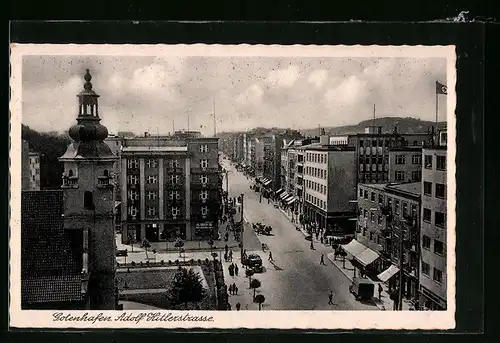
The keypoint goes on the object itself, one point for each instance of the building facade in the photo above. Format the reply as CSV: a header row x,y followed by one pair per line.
x,y
25,166
330,186
405,164
170,188
434,225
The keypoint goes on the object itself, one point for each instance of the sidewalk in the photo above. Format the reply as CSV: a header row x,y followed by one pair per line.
x,y
385,303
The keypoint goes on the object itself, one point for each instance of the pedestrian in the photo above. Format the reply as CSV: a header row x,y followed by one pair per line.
x,y
236,269
231,257
236,290
321,239
225,257
238,306
231,290
379,292
322,260
270,256
226,248
330,298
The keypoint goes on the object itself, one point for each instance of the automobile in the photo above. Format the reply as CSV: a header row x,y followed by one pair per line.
x,y
123,252
254,261
343,239
362,288
309,238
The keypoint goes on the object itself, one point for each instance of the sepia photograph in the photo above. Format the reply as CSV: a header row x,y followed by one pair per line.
x,y
166,180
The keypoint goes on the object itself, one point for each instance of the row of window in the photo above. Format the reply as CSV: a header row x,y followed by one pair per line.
x,y
317,202
374,160
316,157
152,195
415,175
364,213
372,196
439,190
439,217
389,142
316,172
316,186
152,211
440,162
437,274
415,159
134,164
438,245
373,177
153,179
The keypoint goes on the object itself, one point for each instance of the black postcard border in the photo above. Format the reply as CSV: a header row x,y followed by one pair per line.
x,y
469,39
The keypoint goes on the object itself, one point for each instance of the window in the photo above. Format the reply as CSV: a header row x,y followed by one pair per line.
x,y
373,196
389,202
152,179
396,207
132,210
413,211
372,217
174,164
132,164
440,191
204,163
441,162
204,210
400,159
427,215
152,163
152,195
428,161
438,275
366,213
371,236
399,175
426,242
174,195
416,159
151,211
438,247
416,175
366,195
174,179
175,211
133,179
405,208
439,219
133,195
428,188
204,195
380,199
425,268
379,220
361,143
204,179
204,148
70,173
88,200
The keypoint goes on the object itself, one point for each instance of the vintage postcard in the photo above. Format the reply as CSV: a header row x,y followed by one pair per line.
x,y
232,186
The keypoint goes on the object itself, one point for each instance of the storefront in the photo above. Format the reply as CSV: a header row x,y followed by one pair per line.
x,y
203,230
429,301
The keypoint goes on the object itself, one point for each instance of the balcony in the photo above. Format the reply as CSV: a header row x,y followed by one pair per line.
x,y
104,182
70,182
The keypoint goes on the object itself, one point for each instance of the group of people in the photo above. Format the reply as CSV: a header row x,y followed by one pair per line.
x,y
233,269
228,256
233,289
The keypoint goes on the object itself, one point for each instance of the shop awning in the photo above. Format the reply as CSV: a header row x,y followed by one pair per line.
x,y
291,201
267,182
279,191
388,273
287,198
284,195
366,257
354,248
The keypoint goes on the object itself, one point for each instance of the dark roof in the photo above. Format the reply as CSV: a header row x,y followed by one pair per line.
x,y
49,253
411,188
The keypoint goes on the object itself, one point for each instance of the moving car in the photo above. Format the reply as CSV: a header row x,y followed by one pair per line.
x,y
254,262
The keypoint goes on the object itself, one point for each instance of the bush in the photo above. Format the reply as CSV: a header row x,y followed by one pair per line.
x,y
177,262
132,263
169,262
162,262
199,261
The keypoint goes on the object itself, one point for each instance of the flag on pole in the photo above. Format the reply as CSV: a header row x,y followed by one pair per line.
x,y
441,89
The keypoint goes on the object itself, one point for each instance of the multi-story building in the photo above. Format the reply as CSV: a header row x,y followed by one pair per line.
x,y
25,166
405,164
171,188
372,151
34,171
434,225
330,185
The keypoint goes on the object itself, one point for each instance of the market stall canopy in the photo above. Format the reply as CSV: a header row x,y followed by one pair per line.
x,y
291,201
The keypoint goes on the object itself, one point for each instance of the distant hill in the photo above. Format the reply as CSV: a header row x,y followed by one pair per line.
x,y
404,125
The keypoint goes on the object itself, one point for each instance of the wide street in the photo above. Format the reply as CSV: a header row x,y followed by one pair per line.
x,y
296,280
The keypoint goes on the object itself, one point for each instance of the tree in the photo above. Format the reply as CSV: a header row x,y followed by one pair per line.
x,y
255,283
249,274
186,287
259,299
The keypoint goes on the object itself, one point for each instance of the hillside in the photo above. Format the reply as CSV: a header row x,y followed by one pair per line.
x,y
404,125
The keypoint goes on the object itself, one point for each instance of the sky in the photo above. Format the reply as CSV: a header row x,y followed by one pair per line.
x,y
141,93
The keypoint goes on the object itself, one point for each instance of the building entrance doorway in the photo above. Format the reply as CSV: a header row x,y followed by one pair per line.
x,y
152,232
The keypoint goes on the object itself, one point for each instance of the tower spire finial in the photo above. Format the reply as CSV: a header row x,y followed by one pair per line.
x,y
87,78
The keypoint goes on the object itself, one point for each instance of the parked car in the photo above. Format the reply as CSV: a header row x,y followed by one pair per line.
x,y
123,252
309,238
254,260
362,288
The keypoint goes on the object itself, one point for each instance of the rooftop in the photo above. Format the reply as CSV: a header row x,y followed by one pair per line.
x,y
51,257
154,149
408,187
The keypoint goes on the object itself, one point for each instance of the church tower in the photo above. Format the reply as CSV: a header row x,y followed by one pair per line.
x,y
89,199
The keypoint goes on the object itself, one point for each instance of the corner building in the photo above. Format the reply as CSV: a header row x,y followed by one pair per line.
x,y
170,188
